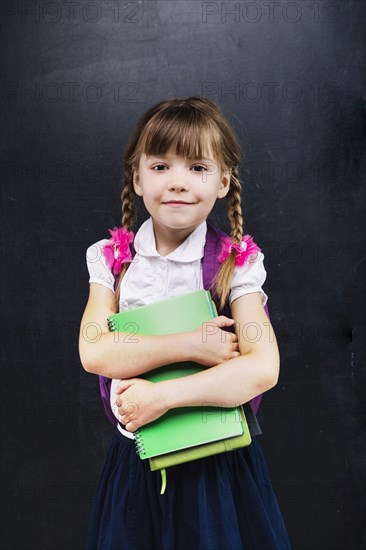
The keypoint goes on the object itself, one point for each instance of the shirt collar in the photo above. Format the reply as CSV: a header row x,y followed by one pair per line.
x,y
191,249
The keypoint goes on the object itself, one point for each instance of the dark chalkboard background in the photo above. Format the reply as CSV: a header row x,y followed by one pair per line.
x,y
290,76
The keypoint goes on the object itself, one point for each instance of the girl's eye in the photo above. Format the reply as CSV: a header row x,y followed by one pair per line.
x,y
195,166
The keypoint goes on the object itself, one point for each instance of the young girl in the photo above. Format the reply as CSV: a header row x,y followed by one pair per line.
x,y
181,150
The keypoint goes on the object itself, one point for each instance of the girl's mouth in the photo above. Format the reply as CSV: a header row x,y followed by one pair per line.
x,y
177,204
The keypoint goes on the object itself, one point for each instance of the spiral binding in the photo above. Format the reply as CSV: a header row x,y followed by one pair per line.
x,y
111,324
139,444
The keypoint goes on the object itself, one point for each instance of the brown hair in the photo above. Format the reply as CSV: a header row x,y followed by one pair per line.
x,y
185,127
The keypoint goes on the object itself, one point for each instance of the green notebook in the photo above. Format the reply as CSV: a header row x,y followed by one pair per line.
x,y
182,433
201,451
184,427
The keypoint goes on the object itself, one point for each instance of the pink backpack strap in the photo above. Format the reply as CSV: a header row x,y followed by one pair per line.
x,y
211,264
105,392
106,383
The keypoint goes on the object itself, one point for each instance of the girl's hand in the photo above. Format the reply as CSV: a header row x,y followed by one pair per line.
x,y
210,345
139,401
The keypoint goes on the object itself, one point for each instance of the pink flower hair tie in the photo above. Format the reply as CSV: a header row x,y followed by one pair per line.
x,y
117,250
243,249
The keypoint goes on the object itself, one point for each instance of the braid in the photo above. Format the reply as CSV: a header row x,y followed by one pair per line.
x,y
128,220
234,207
128,202
222,280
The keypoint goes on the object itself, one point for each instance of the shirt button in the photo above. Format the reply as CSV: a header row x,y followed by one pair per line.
x,y
162,264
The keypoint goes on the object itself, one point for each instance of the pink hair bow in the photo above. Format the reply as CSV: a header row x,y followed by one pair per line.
x,y
243,249
117,250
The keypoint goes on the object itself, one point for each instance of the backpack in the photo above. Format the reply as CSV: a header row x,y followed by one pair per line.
x,y
210,264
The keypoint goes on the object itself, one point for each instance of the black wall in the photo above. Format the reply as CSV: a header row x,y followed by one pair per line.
x,y
75,79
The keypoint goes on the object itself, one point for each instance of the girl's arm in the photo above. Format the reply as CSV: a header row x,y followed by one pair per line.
x,y
122,354
237,380
126,355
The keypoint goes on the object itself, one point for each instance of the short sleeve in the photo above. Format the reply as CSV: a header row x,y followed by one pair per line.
x,y
249,278
99,272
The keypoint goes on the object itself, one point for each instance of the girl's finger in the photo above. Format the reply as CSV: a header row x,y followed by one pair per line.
x,y
123,385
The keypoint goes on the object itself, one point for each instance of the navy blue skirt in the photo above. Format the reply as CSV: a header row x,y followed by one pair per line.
x,y
213,503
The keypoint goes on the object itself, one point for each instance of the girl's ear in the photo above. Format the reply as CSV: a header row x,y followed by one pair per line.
x,y
136,185
225,185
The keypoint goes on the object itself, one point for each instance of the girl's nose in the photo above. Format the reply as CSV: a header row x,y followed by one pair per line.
x,y
178,183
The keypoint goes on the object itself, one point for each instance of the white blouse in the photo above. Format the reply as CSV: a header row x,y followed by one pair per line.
x,y
152,277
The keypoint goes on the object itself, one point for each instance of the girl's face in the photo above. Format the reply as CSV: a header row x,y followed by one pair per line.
x,y
166,178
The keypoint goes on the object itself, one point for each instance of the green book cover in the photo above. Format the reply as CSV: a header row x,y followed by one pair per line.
x,y
181,427
204,450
